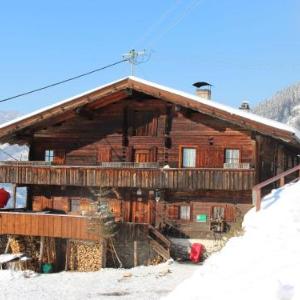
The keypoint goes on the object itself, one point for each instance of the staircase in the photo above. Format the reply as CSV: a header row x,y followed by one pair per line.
x,y
291,175
159,243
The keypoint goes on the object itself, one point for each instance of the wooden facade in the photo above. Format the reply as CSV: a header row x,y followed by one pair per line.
x,y
171,161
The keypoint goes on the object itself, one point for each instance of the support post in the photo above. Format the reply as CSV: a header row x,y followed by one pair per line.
x,y
14,195
41,252
135,254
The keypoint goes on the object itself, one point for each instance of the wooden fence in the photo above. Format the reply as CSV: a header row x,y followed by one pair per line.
x,y
151,178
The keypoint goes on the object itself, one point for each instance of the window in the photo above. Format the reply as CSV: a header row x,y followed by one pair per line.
x,y
218,213
75,205
188,157
49,155
185,212
232,156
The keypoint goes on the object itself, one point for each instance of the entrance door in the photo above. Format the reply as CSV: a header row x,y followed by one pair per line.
x,y
140,211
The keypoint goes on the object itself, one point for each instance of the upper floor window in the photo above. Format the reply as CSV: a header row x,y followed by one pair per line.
x,y
232,156
49,155
188,157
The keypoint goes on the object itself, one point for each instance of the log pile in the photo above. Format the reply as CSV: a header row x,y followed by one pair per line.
x,y
27,245
85,256
3,242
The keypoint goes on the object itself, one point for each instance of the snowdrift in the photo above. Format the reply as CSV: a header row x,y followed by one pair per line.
x,y
264,263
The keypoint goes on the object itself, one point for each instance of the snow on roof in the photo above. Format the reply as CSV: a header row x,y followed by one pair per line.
x,y
211,103
231,110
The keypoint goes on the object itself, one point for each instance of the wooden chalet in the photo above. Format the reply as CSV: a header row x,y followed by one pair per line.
x,y
174,162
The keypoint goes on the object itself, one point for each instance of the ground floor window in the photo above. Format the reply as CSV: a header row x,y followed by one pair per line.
x,y
185,212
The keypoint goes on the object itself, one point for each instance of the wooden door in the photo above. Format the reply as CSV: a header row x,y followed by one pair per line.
x,y
142,155
140,212
210,157
104,155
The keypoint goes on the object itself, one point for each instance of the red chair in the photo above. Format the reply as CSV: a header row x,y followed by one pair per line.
x,y
196,252
4,197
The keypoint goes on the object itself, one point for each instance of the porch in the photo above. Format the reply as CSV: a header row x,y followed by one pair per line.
x,y
127,175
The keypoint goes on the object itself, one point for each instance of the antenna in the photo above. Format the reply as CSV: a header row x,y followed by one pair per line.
x,y
132,58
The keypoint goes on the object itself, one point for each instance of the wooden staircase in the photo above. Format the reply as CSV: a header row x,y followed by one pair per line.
x,y
282,178
159,243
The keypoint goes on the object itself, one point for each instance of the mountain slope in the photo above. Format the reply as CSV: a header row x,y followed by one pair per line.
x,y
284,106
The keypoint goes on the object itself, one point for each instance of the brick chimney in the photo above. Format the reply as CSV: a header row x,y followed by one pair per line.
x,y
203,89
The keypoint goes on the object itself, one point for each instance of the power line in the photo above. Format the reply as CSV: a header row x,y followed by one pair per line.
x,y
63,81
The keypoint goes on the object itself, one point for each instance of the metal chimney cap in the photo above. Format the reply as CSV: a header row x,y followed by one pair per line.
x,y
200,84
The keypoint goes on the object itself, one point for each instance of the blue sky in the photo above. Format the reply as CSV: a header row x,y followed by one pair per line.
x,y
246,49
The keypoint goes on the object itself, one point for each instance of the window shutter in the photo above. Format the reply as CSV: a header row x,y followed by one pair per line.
x,y
59,157
210,157
173,212
229,213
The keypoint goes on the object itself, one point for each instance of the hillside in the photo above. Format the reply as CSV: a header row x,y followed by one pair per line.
x,y
264,263
284,106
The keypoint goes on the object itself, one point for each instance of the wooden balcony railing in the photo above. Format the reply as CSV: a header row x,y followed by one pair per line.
x,y
150,178
64,226
50,225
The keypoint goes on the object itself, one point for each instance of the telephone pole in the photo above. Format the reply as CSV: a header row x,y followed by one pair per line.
x,y
132,57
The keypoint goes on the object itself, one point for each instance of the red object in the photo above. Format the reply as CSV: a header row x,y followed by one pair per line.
x,y
196,252
4,197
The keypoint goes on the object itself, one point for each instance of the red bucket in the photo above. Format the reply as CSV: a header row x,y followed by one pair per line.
x,y
196,252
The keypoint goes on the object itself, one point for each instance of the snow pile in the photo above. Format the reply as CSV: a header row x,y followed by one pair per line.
x,y
264,263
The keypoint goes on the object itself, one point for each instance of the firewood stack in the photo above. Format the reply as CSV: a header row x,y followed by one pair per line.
x,y
27,245
86,256
3,242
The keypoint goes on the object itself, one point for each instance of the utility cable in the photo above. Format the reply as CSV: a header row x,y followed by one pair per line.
x,y
63,81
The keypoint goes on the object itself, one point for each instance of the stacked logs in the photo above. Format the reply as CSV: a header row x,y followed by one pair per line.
x,y
27,245
3,243
85,256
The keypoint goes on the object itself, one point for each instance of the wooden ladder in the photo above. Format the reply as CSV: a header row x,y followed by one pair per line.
x,y
159,243
281,178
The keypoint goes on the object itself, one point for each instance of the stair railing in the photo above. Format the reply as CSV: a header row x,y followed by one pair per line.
x,y
281,178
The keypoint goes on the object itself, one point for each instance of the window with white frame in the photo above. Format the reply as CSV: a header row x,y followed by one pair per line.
x,y
189,157
185,212
49,155
232,156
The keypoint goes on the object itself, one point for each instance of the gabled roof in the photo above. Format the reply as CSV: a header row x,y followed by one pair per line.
x,y
118,90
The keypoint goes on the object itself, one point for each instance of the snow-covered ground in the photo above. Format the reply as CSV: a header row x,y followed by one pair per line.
x,y
138,283
264,263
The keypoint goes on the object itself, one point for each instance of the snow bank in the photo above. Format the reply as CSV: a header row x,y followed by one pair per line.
x,y
264,263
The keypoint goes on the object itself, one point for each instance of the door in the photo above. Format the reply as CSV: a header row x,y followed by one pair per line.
x,y
142,155
104,155
140,212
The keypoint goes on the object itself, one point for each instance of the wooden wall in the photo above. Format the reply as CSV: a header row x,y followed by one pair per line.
x,y
110,136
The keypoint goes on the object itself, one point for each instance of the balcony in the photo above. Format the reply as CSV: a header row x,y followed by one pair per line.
x,y
127,175
41,224
63,226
